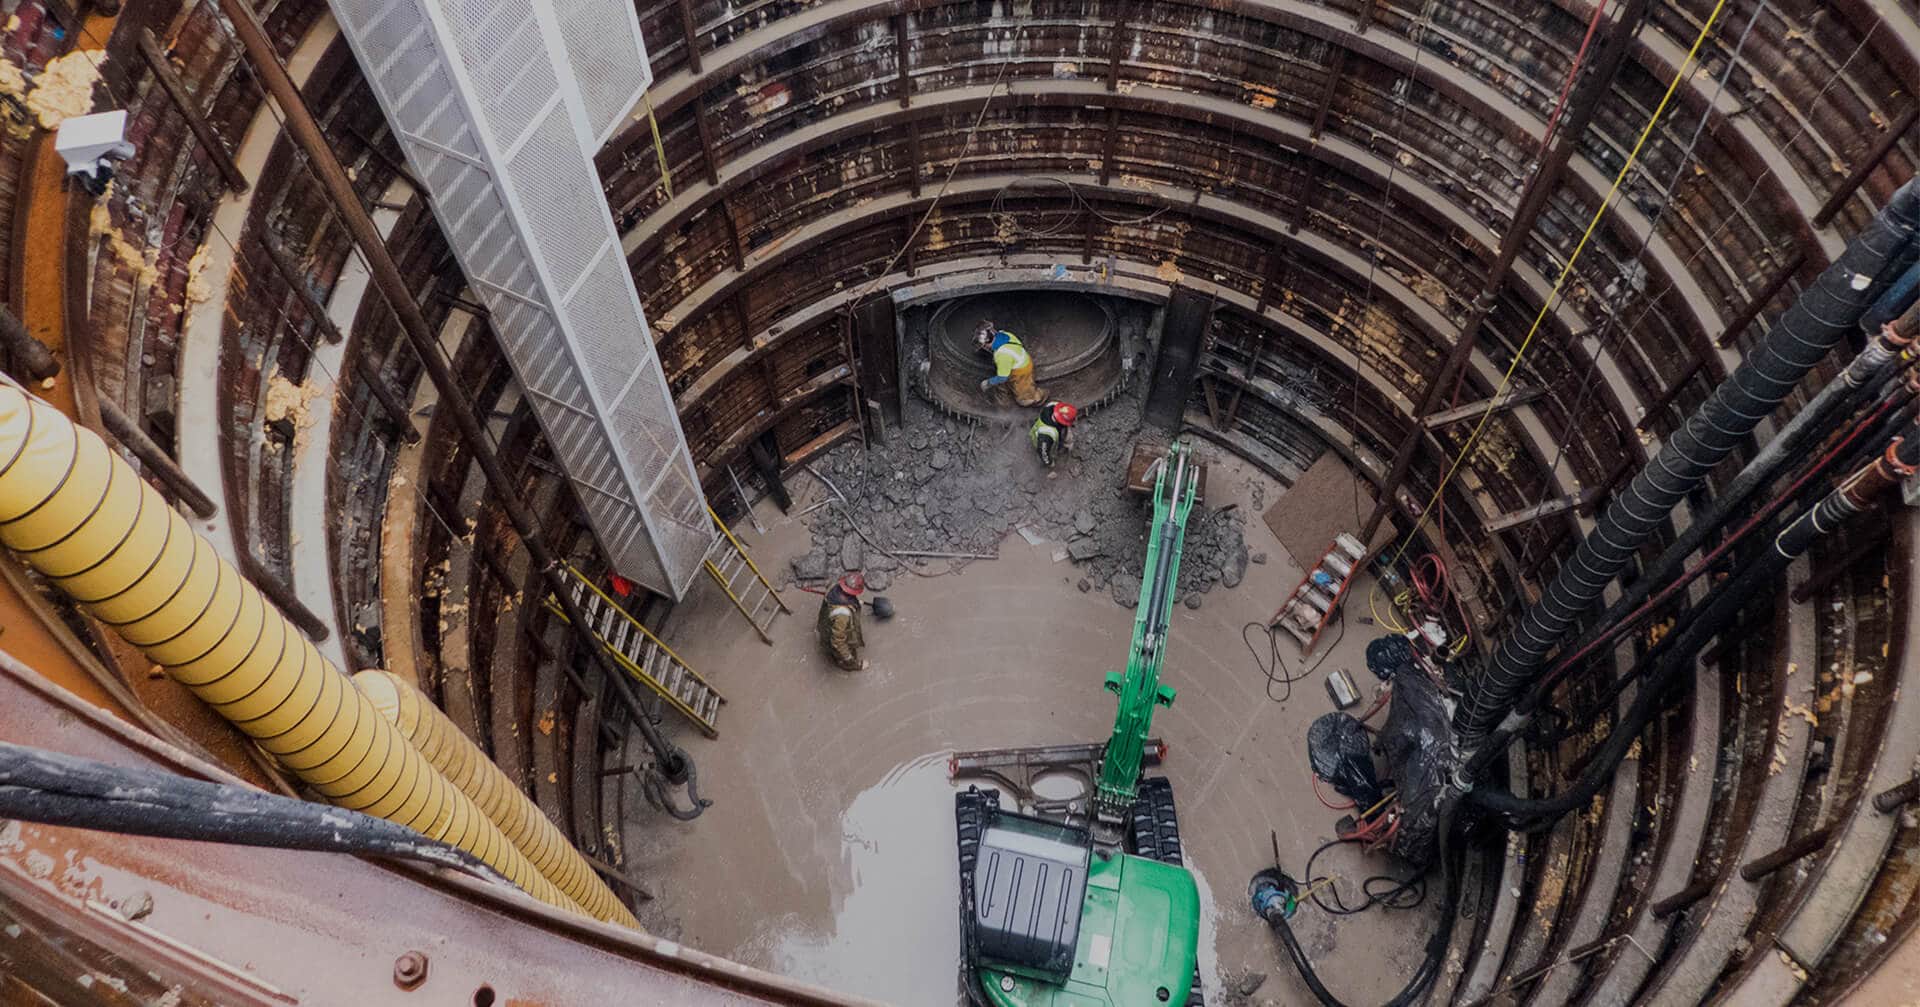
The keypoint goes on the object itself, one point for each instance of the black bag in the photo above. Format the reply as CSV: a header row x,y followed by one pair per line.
x,y
1341,754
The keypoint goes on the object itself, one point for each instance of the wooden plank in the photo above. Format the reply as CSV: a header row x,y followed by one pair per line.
x,y
1548,508
1472,410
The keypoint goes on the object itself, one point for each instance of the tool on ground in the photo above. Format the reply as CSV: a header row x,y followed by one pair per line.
x,y
1314,602
1341,689
1087,902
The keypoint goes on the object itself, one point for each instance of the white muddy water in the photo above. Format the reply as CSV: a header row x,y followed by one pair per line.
x,y
895,928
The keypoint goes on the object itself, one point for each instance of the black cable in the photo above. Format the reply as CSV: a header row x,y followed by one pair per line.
x,y
52,788
1404,893
1430,962
1274,665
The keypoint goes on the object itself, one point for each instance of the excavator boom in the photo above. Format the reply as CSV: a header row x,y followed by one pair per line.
x,y
1139,689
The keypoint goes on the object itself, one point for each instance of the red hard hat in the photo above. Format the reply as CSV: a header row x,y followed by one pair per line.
x,y
1065,414
853,583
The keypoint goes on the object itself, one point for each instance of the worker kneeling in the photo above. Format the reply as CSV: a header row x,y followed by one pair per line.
x,y
1012,364
1052,433
840,623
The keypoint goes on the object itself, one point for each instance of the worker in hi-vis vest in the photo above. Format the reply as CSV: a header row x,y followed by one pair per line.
x,y
1012,364
1052,432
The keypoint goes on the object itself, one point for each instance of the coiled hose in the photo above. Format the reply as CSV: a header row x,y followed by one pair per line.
x,y
77,513
468,769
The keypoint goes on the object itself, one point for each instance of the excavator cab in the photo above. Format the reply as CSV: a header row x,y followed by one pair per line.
x,y
1054,920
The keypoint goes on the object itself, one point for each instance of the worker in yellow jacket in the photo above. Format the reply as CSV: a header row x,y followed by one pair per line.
x,y
840,623
1012,364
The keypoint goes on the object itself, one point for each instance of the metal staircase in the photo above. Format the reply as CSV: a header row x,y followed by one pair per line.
x,y
643,656
730,567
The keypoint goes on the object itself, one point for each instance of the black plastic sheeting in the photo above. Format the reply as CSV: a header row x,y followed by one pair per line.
x,y
1388,656
1341,753
1421,753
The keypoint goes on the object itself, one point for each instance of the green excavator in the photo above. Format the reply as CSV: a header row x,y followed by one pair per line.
x,y
1086,903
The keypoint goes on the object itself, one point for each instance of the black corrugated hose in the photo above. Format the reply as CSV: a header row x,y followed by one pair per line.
x,y
1866,374
1762,573
1823,314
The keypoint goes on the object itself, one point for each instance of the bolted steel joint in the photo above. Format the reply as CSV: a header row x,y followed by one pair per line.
x,y
410,970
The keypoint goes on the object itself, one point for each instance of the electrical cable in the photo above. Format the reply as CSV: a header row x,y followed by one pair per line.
x,y
1403,893
993,91
1707,561
1329,805
54,788
1416,36
1760,573
996,209
1573,72
1431,960
1546,142
1553,295
1274,665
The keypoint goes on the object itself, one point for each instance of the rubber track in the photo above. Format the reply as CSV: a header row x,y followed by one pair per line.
x,y
1155,832
971,810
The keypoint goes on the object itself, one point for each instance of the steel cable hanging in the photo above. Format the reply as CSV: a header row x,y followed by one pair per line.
x,y
1540,153
1416,37
1587,385
1533,331
1799,340
1616,330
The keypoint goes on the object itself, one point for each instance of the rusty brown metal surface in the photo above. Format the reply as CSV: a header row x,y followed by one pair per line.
x,y
235,925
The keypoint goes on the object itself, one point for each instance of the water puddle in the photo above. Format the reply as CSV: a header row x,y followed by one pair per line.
x,y
896,923
895,930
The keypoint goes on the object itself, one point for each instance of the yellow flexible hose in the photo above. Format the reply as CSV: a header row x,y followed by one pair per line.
x,y
468,768
73,510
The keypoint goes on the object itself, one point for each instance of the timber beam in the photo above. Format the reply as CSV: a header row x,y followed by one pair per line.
x,y
1512,399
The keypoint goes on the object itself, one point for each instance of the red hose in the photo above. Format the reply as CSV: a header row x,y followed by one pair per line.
x,y
1323,801
1560,104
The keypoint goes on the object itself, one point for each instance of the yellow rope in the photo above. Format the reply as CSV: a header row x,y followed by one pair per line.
x,y
1554,294
659,149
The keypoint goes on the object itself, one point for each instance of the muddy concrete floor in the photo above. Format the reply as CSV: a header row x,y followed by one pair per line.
x,y
829,851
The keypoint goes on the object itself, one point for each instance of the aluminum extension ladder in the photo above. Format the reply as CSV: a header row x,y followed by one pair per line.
x,y
730,567
1314,602
642,655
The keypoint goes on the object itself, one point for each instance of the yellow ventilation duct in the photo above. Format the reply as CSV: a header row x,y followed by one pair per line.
x,y
468,768
80,515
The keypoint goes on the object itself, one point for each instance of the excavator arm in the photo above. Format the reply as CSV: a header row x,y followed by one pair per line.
x,y
1139,689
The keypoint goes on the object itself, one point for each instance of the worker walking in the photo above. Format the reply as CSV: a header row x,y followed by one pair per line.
x,y
1052,433
1012,364
840,623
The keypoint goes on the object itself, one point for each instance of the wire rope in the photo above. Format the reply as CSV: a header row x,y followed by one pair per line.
x,y
1533,331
